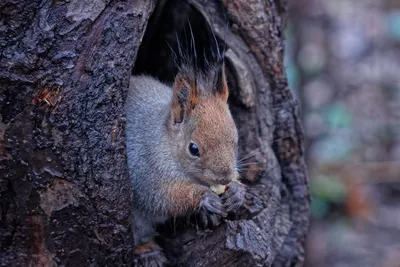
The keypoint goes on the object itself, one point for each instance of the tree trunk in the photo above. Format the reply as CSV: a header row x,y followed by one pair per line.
x,y
64,187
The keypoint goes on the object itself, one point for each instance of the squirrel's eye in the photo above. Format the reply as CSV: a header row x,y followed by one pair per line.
x,y
194,150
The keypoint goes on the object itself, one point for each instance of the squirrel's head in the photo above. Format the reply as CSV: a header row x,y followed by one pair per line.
x,y
201,126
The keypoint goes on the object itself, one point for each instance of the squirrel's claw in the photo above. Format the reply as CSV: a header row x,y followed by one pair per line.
x,y
148,255
209,220
234,197
210,210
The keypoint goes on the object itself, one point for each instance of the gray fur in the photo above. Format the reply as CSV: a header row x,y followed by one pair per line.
x,y
149,159
158,158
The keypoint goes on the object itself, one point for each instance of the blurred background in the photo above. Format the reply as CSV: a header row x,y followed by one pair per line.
x,y
343,63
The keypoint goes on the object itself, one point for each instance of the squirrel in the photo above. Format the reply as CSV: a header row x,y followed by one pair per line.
x,y
180,140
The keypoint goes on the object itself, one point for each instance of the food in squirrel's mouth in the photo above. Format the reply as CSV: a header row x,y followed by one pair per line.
x,y
220,189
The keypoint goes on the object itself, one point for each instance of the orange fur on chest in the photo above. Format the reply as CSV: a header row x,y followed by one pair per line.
x,y
185,197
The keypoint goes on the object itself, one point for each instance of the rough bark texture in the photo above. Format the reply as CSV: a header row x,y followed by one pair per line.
x,y
65,193
65,67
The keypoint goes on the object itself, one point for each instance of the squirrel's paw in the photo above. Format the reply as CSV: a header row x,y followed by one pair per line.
x,y
148,255
210,209
234,197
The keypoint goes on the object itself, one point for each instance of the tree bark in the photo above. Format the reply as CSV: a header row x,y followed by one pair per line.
x,y
65,67
64,188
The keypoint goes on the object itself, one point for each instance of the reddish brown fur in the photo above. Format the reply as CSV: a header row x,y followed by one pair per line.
x,y
176,109
224,92
187,196
204,117
215,134
193,96
146,248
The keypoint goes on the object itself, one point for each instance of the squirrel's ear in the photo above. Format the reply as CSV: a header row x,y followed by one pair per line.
x,y
185,98
221,86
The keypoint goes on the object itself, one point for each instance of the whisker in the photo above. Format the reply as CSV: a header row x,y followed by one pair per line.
x,y
207,64
225,35
241,170
249,165
279,139
250,154
254,152
216,46
174,54
178,44
192,44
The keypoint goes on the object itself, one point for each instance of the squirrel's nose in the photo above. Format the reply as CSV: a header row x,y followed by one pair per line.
x,y
225,181
226,177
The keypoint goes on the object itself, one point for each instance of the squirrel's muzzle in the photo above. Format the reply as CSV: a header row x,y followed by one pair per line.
x,y
226,178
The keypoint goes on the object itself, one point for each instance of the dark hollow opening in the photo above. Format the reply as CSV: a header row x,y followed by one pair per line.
x,y
171,24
